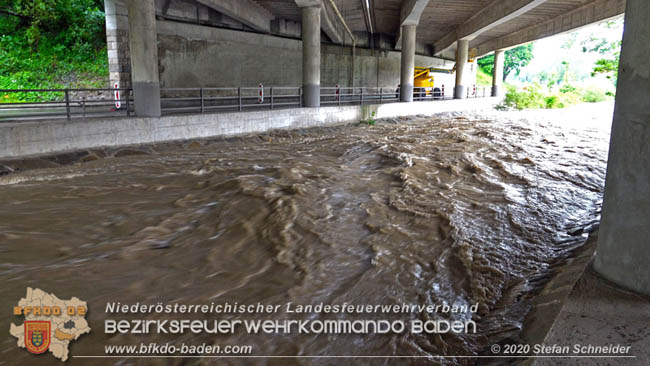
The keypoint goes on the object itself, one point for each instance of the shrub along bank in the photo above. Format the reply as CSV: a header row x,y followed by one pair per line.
x,y
535,96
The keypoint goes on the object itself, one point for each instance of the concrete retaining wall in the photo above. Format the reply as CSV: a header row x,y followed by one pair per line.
x,y
198,56
44,137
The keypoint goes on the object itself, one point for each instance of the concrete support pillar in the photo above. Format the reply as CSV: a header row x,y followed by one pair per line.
x,y
408,63
117,42
461,61
143,43
623,254
497,73
311,56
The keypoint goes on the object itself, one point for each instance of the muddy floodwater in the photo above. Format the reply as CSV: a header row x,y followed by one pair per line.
x,y
455,209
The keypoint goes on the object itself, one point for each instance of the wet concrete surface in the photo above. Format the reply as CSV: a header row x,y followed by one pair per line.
x,y
600,313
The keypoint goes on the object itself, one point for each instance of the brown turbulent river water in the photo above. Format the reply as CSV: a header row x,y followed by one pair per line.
x,y
456,209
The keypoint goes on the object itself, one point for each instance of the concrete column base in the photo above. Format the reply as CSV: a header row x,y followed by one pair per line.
x,y
460,92
311,95
497,74
406,93
146,97
623,254
407,66
311,56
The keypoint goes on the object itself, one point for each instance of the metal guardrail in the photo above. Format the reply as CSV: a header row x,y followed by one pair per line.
x,y
85,103
479,92
346,96
363,95
65,103
210,100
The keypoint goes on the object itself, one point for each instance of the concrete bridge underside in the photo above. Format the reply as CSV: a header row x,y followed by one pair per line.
x,y
362,43
378,42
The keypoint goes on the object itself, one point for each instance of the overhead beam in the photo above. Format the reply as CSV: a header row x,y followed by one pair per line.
x,y
330,24
494,14
594,12
166,6
410,14
307,3
244,11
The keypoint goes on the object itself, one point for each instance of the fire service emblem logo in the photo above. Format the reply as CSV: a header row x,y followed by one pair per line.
x,y
37,335
50,324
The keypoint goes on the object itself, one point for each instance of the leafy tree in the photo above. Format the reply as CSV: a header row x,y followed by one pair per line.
x,y
515,59
75,22
608,67
610,49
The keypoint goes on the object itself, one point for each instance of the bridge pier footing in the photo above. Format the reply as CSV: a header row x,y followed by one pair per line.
x,y
623,254
143,46
461,61
311,56
407,67
497,73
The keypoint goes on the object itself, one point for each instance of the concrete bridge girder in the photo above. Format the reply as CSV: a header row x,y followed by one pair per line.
x,y
244,11
590,13
496,13
410,14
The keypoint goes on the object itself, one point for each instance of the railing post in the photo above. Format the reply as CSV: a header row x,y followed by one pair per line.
x,y
381,95
300,96
128,104
239,96
202,101
67,103
271,97
338,94
361,96
83,107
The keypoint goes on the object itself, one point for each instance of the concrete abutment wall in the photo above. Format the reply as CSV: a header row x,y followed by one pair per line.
x,y
46,137
198,56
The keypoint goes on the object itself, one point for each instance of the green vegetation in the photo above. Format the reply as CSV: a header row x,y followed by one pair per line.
x,y
51,44
483,78
609,49
371,119
587,57
536,96
584,70
515,59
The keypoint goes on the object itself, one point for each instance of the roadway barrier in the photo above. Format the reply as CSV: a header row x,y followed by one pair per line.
x,y
53,104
